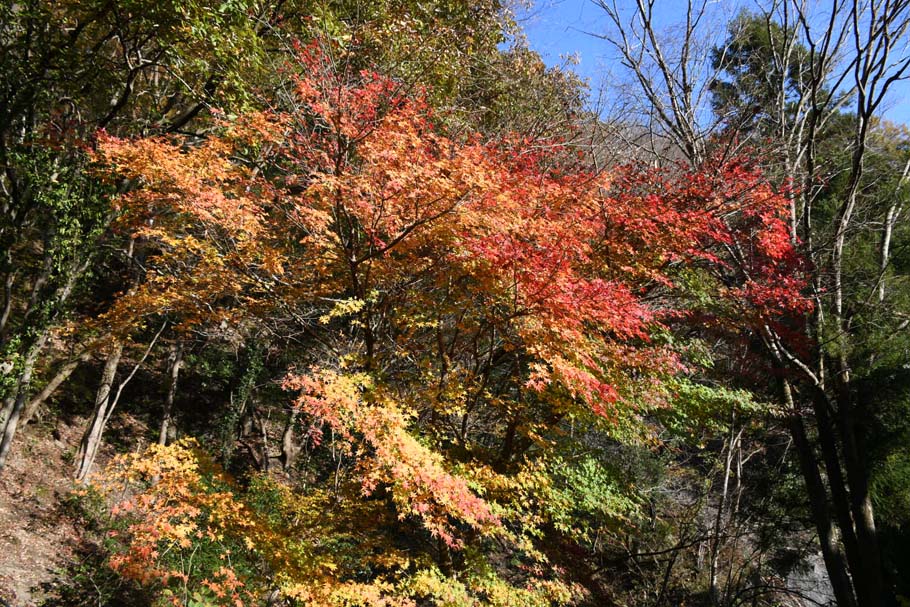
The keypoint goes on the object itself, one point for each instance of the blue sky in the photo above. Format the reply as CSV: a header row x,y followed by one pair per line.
x,y
557,28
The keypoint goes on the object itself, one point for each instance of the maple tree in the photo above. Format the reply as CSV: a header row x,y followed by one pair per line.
x,y
467,297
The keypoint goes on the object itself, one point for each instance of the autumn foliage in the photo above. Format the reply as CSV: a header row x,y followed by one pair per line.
x,y
462,297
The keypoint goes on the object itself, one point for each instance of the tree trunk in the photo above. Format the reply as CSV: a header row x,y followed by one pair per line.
x,y
176,362
835,563
62,375
263,432
838,485
445,561
289,447
91,440
13,407
868,576
894,212
7,303
716,542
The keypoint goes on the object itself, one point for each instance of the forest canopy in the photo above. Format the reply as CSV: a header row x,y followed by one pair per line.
x,y
360,303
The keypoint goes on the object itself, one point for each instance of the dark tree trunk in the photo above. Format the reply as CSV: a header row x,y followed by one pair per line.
x,y
175,360
832,552
833,555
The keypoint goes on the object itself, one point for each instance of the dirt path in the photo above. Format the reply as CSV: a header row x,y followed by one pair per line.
x,y
37,538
